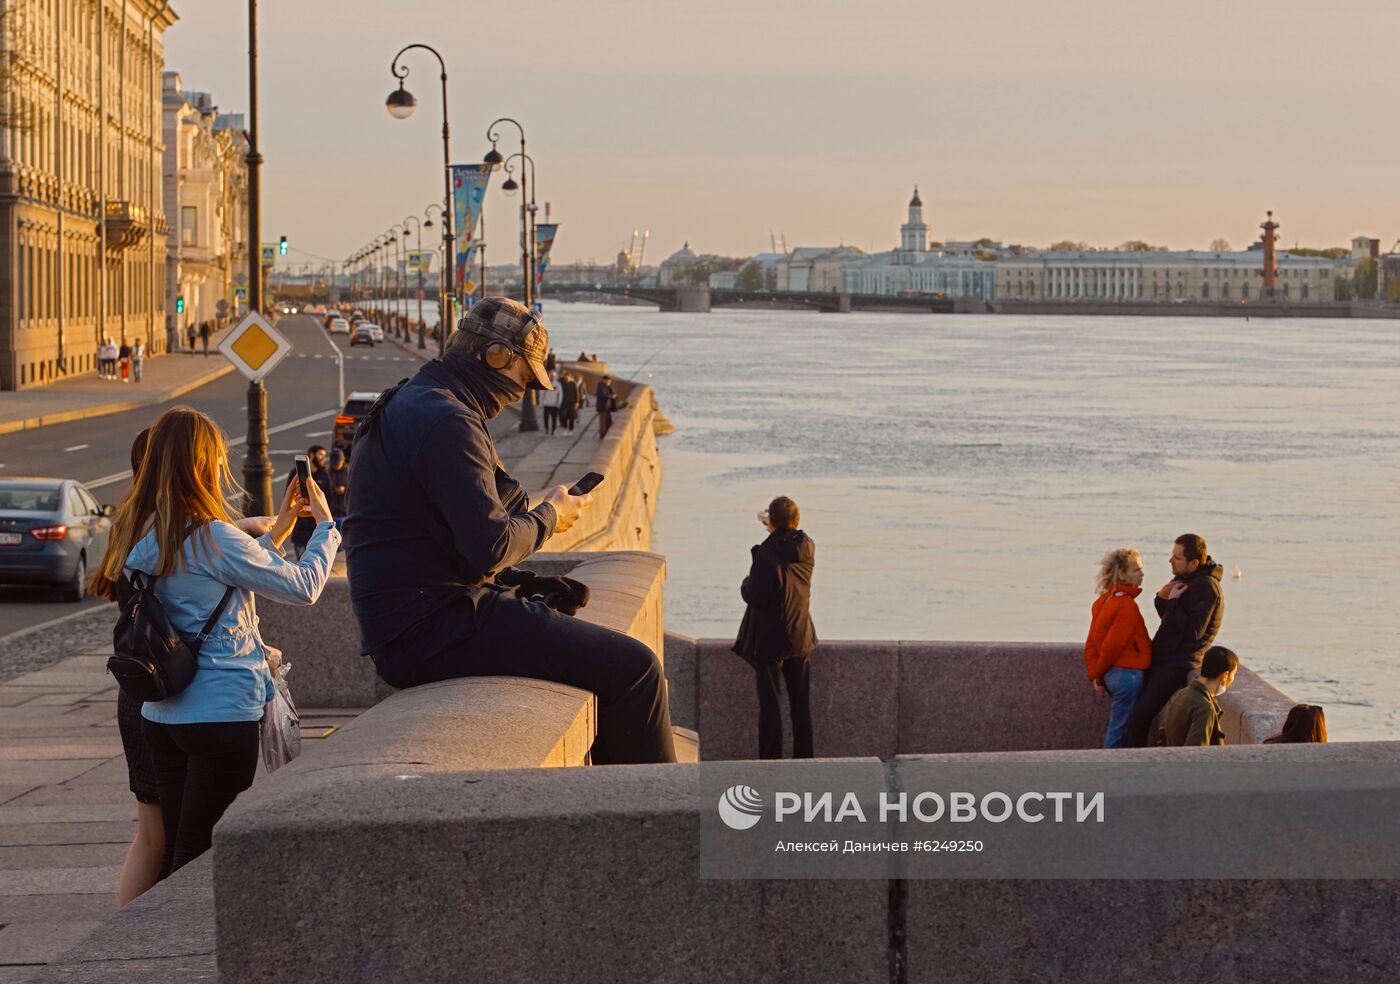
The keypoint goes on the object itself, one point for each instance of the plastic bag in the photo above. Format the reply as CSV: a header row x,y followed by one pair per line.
x,y
281,726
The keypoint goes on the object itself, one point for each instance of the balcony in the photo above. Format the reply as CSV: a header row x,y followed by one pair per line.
x,y
126,225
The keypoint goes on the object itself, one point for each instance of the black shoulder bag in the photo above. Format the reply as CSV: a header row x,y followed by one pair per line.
x,y
151,661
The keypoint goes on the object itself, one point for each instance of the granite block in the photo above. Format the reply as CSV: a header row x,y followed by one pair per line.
x,y
679,660
40,942
45,771
97,880
996,696
61,856
854,696
435,892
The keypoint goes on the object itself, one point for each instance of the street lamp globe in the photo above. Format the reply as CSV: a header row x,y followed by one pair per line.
x,y
510,187
493,158
400,103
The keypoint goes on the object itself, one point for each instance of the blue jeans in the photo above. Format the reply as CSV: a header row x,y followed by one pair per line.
x,y
1124,686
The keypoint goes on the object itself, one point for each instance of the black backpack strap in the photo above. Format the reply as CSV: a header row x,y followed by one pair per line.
x,y
213,619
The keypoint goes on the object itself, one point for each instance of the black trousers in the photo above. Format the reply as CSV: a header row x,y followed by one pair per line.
x,y
604,424
793,672
551,419
528,639
200,770
1161,682
568,417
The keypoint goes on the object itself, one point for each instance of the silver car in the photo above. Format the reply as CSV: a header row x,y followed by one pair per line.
x,y
52,532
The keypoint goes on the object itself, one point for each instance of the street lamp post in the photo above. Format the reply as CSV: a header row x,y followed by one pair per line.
x,y
443,327
401,275
418,231
400,105
527,219
529,421
257,466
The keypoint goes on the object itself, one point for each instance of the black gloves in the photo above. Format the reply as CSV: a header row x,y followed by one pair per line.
x,y
563,594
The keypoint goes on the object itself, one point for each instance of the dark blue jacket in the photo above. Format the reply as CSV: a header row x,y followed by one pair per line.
x,y
433,516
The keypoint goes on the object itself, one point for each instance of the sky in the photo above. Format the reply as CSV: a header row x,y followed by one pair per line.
x,y
723,122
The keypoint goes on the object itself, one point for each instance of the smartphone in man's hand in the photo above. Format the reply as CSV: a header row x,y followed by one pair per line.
x,y
586,484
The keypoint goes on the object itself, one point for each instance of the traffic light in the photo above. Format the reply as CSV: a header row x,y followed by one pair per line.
x,y
282,246
179,305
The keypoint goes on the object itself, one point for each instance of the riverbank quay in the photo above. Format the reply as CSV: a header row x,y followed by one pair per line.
x,y
164,377
66,814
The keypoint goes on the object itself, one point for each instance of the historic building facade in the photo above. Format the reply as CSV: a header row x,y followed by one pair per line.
x,y
922,267
206,198
1121,276
82,225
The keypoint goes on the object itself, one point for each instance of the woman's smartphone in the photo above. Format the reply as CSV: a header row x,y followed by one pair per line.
x,y
586,484
303,467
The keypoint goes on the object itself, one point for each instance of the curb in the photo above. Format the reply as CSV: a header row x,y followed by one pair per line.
x,y
101,410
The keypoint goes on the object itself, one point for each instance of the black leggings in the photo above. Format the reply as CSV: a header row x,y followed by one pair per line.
x,y
794,673
551,419
528,639
200,770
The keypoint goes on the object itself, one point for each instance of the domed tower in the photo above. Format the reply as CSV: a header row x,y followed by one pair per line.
x,y
913,235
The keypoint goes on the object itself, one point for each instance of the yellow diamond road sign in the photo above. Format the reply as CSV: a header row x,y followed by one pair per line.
x,y
255,347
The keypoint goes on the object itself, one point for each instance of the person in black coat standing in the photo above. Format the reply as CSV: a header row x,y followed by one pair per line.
x,y
777,636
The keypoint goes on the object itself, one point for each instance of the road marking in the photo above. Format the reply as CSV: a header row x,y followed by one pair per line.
x,y
123,476
318,433
50,623
78,447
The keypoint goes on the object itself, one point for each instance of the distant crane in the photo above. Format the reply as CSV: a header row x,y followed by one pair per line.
x,y
778,243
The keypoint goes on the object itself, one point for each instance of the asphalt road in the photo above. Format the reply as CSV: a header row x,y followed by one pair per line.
x,y
303,396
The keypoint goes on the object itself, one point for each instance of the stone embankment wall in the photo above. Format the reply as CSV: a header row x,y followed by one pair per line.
x,y
620,513
917,698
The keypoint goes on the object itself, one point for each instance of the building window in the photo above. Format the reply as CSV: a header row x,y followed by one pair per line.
x,y
1303,291
1205,289
189,218
1225,291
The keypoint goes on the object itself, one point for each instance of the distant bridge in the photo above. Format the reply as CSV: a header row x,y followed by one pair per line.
x,y
703,299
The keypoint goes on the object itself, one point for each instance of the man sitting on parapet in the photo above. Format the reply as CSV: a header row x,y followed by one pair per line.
x,y
1192,716
435,523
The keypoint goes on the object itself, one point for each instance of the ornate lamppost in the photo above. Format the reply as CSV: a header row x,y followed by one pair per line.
x,y
400,105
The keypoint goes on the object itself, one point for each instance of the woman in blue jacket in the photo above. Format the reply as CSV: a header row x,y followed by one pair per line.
x,y
176,523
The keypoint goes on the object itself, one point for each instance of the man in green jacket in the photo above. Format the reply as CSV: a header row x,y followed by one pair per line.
x,y
1192,716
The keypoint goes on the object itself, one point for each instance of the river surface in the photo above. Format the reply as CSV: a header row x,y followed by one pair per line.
x,y
962,475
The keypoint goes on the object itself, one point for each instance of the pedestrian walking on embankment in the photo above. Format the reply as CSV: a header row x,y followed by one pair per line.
x,y
138,359
606,401
569,396
553,400
124,360
776,635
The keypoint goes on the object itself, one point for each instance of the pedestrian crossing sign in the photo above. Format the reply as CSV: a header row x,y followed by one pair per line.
x,y
255,347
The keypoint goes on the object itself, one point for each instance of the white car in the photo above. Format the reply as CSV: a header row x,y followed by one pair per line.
x,y
339,326
375,331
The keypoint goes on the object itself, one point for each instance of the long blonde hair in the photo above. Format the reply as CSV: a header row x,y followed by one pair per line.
x,y
1115,566
183,484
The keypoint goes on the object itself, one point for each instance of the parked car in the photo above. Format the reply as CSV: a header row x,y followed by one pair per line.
x,y
52,532
339,326
356,406
362,336
374,330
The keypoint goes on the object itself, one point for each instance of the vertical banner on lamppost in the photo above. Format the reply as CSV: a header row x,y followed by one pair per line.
x,y
544,241
468,192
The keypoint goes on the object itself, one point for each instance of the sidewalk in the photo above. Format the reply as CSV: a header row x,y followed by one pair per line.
x,y
66,812
165,378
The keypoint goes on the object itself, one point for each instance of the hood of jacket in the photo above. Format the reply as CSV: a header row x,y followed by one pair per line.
x,y
791,546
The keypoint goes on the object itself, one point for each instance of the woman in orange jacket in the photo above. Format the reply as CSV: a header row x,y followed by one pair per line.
x,y
1118,651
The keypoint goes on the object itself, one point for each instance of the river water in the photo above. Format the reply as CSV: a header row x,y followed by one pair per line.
x,y
962,475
